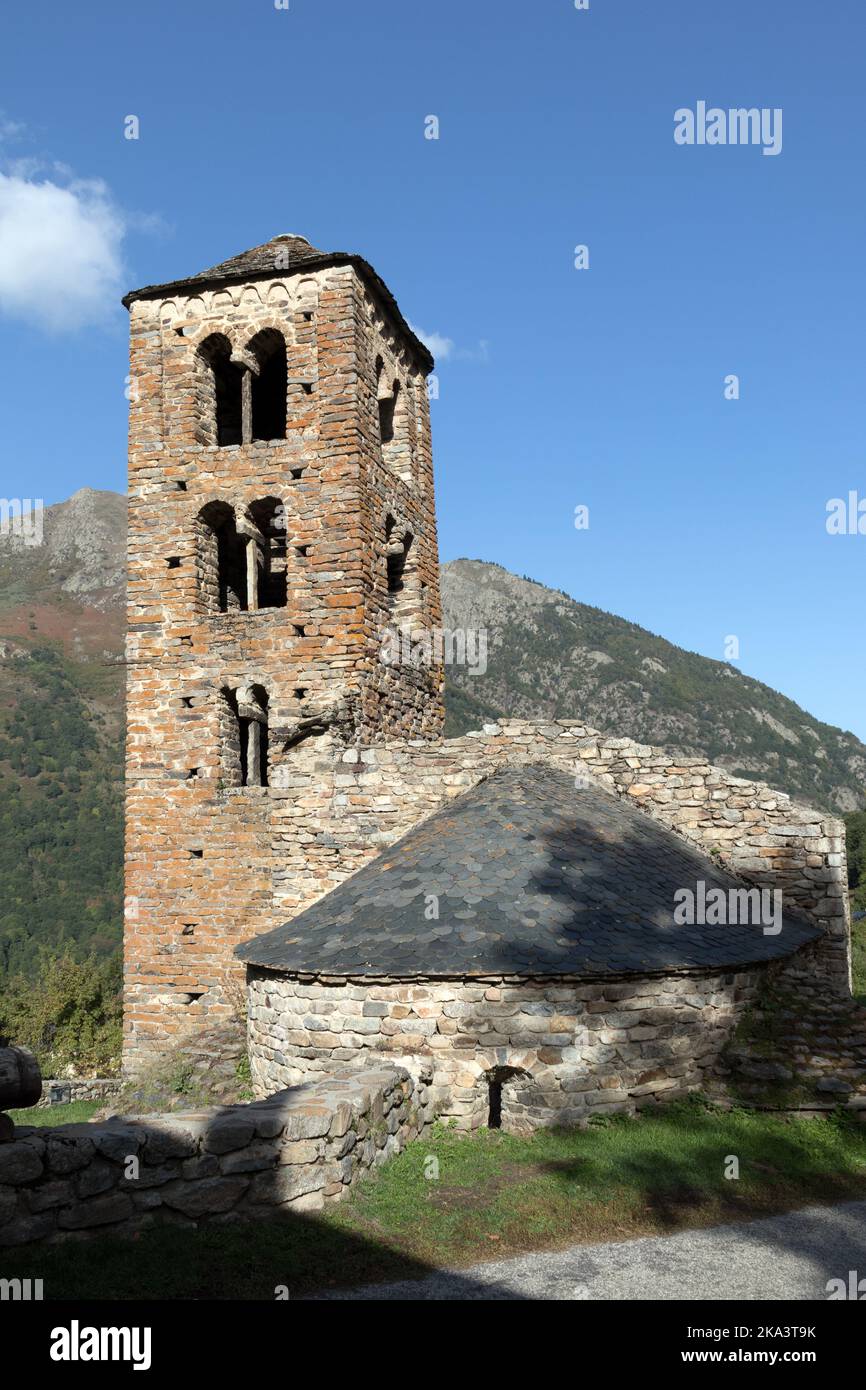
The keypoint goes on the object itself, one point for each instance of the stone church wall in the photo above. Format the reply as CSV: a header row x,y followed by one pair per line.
x,y
331,809
561,1050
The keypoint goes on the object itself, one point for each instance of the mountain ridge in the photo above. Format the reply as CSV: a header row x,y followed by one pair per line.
x,y
62,631
550,655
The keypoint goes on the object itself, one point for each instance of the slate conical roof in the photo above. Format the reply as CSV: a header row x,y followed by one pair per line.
x,y
295,254
533,876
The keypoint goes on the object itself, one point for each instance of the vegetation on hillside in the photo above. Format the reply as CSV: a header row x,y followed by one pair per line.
x,y
61,812
70,1014
855,826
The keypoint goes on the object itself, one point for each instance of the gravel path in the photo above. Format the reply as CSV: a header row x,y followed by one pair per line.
x,y
790,1256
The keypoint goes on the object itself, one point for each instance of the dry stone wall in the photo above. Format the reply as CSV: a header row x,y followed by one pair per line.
x,y
63,1090
291,1153
563,1050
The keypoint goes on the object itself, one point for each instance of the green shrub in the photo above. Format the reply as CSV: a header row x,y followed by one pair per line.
x,y
70,1016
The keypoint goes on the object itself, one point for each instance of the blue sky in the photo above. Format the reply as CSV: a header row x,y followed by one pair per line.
x,y
558,387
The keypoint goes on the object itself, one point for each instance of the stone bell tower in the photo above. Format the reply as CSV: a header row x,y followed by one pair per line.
x,y
281,522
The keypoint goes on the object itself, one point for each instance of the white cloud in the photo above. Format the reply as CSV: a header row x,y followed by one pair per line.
x,y
439,345
442,348
60,250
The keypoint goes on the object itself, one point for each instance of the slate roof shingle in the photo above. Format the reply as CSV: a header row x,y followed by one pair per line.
x,y
534,877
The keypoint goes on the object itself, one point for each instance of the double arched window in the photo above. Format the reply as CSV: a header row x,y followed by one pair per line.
x,y
242,397
242,556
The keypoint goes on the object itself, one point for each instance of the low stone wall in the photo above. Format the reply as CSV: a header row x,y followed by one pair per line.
x,y
65,1090
802,1039
563,1050
292,1152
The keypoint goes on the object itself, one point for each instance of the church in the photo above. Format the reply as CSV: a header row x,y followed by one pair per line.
x,y
494,912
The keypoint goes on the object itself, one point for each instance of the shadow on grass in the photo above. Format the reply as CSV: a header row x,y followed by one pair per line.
x,y
217,1236
699,1164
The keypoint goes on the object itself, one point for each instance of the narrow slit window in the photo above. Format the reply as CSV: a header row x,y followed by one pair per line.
x,y
246,755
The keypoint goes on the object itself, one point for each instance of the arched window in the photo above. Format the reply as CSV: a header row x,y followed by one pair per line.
x,y
387,406
222,407
497,1078
245,754
269,519
268,388
399,571
395,431
222,559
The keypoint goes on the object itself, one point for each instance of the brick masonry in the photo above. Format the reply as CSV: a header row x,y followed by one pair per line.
x,y
199,859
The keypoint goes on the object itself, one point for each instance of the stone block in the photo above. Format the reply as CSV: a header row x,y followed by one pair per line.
x,y
97,1211
204,1196
20,1162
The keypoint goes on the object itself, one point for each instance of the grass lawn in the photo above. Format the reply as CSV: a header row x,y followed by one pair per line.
x,y
495,1195
73,1113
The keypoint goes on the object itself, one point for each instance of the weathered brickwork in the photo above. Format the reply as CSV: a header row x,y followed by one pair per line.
x,y
561,1050
291,1153
203,659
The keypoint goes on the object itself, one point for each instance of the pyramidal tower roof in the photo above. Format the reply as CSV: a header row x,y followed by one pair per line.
x,y
283,254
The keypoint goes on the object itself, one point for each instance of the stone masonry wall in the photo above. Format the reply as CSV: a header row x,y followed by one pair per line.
x,y
565,1049
331,809
290,1153
63,1090
199,869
